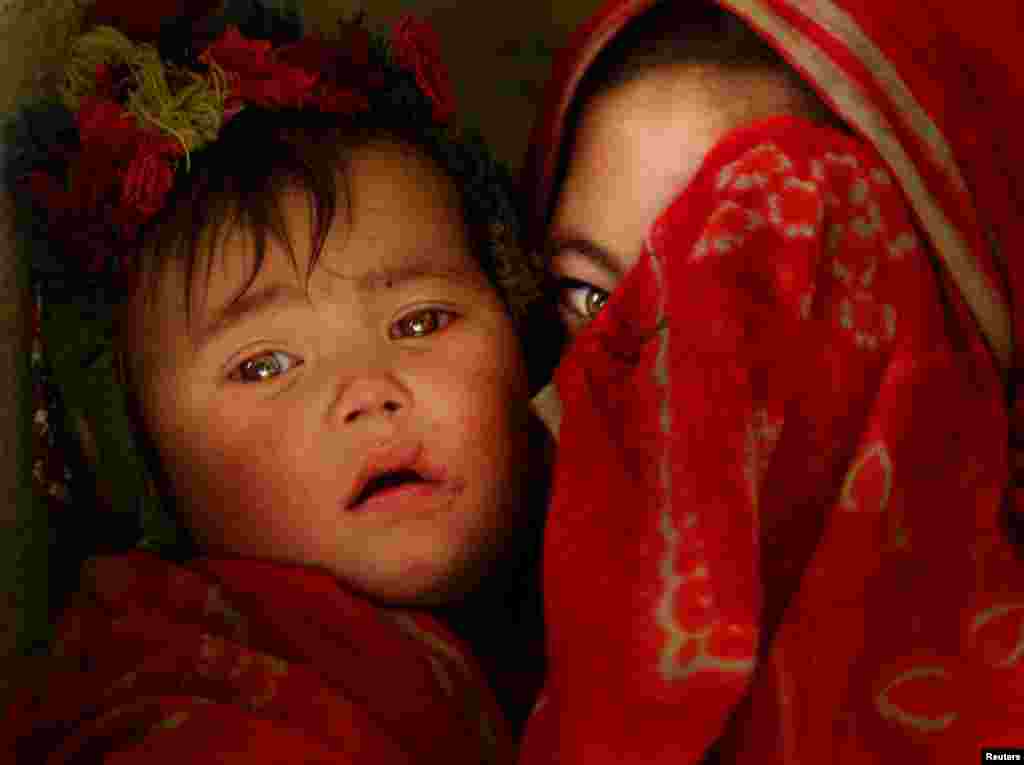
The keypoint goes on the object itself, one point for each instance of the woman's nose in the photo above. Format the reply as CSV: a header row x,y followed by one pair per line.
x,y
369,397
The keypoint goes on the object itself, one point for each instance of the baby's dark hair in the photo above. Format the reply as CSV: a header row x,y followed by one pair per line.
x,y
239,183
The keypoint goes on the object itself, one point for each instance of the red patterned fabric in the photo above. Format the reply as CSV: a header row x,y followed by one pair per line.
x,y
779,528
235,660
776,510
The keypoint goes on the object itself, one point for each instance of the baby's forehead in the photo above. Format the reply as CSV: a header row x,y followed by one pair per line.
x,y
350,273
397,219
388,217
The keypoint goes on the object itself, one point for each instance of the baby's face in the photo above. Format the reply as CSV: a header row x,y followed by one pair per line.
x,y
374,428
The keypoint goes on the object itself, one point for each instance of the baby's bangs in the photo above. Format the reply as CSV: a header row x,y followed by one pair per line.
x,y
227,194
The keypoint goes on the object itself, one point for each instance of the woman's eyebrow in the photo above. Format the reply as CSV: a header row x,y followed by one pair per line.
x,y
562,245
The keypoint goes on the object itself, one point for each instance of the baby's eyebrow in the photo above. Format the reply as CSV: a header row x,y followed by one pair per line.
x,y
249,305
275,297
377,279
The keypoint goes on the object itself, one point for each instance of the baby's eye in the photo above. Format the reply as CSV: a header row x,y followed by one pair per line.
x,y
264,367
582,301
421,323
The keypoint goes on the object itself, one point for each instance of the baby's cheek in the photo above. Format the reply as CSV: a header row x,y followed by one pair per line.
x,y
240,491
493,421
485,400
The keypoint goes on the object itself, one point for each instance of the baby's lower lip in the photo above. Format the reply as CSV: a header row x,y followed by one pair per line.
x,y
413,496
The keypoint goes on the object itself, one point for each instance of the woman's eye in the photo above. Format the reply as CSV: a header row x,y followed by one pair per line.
x,y
583,301
421,323
264,367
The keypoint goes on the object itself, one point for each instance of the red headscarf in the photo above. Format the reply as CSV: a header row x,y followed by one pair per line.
x,y
779,519
930,87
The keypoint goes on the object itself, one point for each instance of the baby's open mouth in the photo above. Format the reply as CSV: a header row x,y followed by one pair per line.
x,y
386,481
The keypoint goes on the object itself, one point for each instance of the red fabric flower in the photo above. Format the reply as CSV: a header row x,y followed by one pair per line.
x,y
115,147
118,178
146,183
236,53
345,73
344,62
103,123
289,87
416,47
93,177
256,75
121,171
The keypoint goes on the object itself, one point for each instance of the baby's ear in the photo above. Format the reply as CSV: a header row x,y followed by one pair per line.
x,y
548,408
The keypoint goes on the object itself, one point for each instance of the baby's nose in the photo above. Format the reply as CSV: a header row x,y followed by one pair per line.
x,y
377,396
387,407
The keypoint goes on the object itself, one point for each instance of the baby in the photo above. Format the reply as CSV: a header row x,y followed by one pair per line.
x,y
356,401
321,346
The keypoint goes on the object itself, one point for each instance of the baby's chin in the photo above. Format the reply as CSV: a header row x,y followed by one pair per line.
x,y
416,583
433,565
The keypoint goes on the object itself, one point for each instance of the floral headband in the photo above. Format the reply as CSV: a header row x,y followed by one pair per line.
x,y
138,110
88,169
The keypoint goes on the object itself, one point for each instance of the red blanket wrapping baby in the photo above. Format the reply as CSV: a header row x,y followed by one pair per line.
x,y
777,511
234,660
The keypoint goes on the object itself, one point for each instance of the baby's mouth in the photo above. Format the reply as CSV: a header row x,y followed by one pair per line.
x,y
386,482
400,479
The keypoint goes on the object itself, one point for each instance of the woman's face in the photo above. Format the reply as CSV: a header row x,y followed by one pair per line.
x,y
636,148
373,425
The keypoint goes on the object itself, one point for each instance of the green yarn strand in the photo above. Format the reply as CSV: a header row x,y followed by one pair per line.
x,y
103,45
192,111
